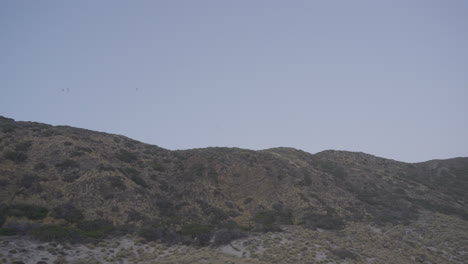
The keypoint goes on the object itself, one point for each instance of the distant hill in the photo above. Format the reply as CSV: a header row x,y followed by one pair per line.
x,y
69,175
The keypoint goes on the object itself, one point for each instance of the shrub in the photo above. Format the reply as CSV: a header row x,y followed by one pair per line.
x,y
154,232
23,146
67,164
328,221
157,166
8,127
138,180
32,212
194,230
102,167
97,229
6,231
332,168
344,254
70,177
129,171
166,207
2,216
15,156
40,166
225,236
68,212
248,200
117,182
56,233
126,156
28,180
18,228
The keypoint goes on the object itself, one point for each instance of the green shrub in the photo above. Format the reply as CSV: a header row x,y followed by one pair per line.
x,y
67,164
157,166
56,233
28,180
193,230
96,229
138,180
225,236
23,146
344,253
126,156
5,231
248,200
8,127
331,168
32,212
70,177
102,167
129,171
328,221
15,156
154,232
40,166
117,182
68,212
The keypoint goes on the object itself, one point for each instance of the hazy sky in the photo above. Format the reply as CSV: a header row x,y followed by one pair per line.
x,y
388,78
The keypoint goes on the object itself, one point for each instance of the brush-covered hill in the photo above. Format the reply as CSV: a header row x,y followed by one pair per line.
x,y
60,175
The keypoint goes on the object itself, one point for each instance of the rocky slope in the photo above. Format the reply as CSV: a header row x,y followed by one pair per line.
x,y
59,175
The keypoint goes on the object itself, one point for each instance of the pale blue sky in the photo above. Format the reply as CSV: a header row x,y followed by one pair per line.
x,y
388,78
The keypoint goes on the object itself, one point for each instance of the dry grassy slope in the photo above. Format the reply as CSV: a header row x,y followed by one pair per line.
x,y
128,182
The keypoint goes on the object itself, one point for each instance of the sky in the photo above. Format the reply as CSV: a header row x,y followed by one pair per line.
x,y
389,78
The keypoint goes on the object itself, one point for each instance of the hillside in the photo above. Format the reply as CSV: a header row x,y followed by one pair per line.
x,y
71,177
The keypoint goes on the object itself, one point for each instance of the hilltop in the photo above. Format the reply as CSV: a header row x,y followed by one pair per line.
x,y
85,180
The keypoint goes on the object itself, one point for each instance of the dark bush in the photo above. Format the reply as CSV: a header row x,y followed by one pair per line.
x,y
70,177
157,166
8,127
166,207
6,231
129,171
331,168
67,164
328,221
3,216
102,167
198,233
126,156
76,154
16,156
138,180
194,230
248,200
344,254
84,149
225,236
68,212
32,212
117,182
155,232
56,233
23,146
97,229
40,166
28,180
18,228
